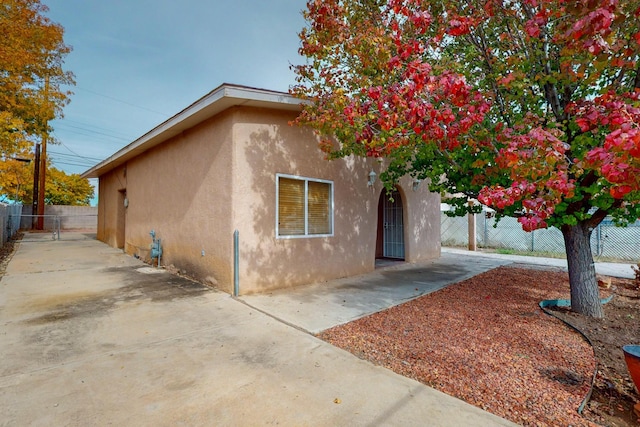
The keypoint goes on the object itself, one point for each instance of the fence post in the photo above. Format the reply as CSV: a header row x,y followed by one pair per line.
x,y
8,230
533,241
486,231
471,219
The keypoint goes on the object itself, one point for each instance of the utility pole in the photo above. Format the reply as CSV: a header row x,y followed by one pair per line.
x,y
36,182
43,165
42,175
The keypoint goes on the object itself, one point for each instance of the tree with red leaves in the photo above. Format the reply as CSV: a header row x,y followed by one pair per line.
x,y
531,107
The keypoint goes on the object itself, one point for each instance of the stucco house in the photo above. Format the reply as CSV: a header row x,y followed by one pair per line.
x,y
231,161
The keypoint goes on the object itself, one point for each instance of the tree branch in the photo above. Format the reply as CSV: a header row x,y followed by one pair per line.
x,y
481,45
601,214
589,179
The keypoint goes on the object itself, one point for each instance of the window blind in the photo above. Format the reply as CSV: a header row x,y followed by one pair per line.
x,y
319,196
304,207
291,207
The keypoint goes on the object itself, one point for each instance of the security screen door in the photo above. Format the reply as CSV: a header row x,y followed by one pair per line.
x,y
393,246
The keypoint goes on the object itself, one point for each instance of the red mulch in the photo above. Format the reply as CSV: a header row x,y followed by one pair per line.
x,y
485,341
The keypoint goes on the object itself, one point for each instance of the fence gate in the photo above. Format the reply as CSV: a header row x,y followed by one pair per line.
x,y
61,220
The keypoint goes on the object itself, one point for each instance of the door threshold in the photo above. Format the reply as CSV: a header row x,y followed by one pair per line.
x,y
388,262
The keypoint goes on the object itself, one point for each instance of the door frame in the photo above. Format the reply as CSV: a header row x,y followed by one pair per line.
x,y
121,218
381,236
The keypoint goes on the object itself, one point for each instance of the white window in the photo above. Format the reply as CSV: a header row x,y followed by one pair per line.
x,y
304,207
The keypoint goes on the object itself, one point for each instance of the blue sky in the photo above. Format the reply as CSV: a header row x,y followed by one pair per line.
x,y
139,62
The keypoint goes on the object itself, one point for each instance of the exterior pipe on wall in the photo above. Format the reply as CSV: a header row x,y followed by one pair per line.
x,y
156,248
236,264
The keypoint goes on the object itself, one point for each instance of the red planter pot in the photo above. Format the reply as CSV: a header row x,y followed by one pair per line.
x,y
632,357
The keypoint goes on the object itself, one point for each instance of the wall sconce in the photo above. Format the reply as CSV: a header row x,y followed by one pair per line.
x,y
416,184
372,178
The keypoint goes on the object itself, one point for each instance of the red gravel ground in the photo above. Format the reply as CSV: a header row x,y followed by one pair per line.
x,y
485,341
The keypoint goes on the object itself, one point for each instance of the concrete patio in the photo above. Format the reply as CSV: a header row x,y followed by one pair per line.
x,y
91,336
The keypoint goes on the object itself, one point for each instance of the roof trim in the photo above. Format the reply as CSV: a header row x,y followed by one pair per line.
x,y
223,97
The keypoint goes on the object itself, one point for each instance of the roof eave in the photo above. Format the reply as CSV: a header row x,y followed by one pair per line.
x,y
216,101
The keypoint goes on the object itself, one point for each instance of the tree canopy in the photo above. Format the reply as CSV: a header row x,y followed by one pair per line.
x,y
529,106
16,185
32,53
67,189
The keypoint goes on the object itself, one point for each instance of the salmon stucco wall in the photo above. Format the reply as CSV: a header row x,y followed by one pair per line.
x,y
196,188
181,189
111,209
265,145
422,217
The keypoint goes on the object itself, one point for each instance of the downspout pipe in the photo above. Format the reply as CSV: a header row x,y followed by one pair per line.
x,y
236,263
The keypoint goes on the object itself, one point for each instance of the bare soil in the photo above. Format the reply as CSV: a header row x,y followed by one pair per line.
x,y
486,341
6,251
614,393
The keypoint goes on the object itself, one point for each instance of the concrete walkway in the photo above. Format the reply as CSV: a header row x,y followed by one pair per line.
x,y
314,308
90,336
614,269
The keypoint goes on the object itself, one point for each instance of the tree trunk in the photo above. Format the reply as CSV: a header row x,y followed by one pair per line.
x,y
585,295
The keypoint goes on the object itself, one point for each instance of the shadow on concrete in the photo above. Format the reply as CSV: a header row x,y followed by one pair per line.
x,y
316,307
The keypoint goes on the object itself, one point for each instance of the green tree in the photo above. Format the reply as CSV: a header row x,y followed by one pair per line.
x,y
16,184
32,53
63,189
16,180
529,106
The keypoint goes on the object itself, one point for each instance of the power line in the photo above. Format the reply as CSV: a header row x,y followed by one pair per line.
x,y
73,164
89,132
123,102
73,155
72,158
65,121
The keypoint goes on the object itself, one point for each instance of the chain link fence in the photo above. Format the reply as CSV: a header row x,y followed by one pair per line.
x,y
62,217
607,240
9,221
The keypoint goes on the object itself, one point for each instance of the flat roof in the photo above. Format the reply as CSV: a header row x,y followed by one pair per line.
x,y
223,97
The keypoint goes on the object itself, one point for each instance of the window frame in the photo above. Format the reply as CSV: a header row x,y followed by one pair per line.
x,y
306,181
